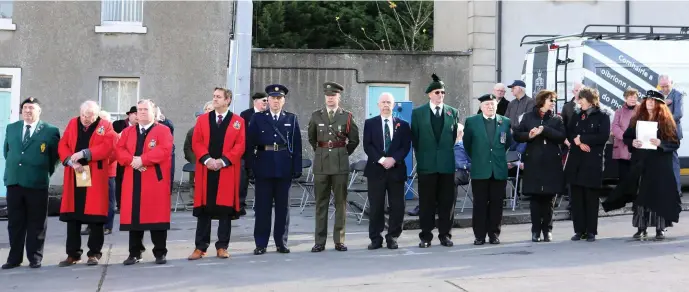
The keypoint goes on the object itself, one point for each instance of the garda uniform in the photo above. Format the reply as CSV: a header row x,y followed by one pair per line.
x,y
274,155
333,136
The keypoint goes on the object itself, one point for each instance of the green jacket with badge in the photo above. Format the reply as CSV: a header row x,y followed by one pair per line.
x,y
341,130
434,156
30,164
488,154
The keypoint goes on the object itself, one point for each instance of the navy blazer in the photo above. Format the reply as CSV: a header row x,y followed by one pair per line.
x,y
374,148
273,164
247,115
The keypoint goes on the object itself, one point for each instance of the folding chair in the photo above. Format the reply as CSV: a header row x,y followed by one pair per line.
x,y
188,168
356,169
515,158
306,184
409,184
466,188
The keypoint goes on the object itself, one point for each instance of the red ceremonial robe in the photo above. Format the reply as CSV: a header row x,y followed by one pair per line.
x,y
88,204
145,202
216,193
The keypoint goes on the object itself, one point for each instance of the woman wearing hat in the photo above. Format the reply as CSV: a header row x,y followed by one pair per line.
x,y
650,183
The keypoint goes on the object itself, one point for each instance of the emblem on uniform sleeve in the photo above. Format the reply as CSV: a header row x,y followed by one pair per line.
x,y
151,144
101,130
42,147
236,125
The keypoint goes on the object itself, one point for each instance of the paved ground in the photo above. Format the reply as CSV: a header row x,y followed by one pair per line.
x,y
613,263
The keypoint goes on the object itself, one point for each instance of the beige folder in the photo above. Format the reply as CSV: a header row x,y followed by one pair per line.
x,y
84,178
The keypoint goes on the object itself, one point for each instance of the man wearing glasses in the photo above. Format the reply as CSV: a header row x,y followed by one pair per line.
x,y
260,101
499,92
434,129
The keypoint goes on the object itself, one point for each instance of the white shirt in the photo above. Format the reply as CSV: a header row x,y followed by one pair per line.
x,y
256,110
382,121
441,105
224,115
145,127
272,115
31,130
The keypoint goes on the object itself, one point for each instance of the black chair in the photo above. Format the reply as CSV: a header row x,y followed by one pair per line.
x,y
188,168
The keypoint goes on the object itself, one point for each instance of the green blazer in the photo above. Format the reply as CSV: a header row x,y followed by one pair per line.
x,y
30,165
432,156
487,160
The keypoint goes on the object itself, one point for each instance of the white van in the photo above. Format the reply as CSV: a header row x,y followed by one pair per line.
x,y
611,62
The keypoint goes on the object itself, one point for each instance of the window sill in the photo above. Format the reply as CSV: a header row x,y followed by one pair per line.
x,y
7,25
129,29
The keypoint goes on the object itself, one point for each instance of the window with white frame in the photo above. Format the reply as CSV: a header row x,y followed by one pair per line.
x,y
122,16
118,95
6,10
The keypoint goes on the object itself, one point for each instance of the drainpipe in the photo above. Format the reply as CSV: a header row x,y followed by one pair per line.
x,y
626,15
498,47
239,70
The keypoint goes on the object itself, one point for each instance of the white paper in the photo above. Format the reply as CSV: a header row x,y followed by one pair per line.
x,y
645,131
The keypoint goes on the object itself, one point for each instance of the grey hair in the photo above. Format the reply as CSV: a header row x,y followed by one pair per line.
x,y
388,94
89,105
210,103
665,76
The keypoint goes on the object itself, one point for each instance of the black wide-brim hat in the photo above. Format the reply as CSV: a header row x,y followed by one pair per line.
x,y
655,95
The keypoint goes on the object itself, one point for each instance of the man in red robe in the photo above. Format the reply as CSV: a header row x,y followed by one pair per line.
x,y
85,150
218,143
145,151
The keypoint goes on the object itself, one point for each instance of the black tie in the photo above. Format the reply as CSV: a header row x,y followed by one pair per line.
x,y
437,111
143,131
275,118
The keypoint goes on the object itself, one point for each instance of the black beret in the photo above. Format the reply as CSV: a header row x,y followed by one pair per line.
x,y
487,97
259,95
30,100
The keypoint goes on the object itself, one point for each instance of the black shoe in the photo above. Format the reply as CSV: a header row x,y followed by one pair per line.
x,y
591,237
548,237
494,240
479,241
414,212
259,250
375,245
340,247
639,234
8,266
318,248
161,260
392,244
577,237
424,244
444,241
35,265
242,212
535,237
283,249
660,235
131,260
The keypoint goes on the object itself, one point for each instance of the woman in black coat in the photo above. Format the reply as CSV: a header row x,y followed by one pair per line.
x,y
588,132
543,175
651,183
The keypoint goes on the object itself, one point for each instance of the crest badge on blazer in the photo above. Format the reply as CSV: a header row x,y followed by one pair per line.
x,y
151,144
101,130
236,125
42,147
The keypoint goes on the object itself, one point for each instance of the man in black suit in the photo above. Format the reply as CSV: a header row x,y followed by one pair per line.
x,y
387,141
499,92
260,102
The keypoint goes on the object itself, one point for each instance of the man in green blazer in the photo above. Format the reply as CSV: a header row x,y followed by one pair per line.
x,y
434,129
486,139
30,152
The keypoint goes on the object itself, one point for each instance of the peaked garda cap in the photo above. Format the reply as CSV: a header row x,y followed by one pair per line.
x,y
435,84
332,87
487,97
276,90
655,95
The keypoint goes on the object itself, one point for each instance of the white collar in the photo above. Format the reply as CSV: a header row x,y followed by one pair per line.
x,y
274,114
390,118
145,127
256,110
487,117
223,114
432,105
33,125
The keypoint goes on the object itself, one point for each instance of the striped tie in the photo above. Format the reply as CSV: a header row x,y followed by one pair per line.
x,y
27,135
386,133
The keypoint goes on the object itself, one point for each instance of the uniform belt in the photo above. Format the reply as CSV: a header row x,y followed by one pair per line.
x,y
274,147
330,144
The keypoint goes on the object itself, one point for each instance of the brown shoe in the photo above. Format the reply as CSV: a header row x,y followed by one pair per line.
x,y
223,254
197,254
69,262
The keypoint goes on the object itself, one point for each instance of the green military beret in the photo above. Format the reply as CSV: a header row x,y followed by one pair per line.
x,y
436,84
332,87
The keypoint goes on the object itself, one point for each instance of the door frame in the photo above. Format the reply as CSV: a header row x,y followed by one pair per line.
x,y
15,91
401,85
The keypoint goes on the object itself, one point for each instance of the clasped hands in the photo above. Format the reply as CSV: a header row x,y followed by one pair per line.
x,y
74,160
535,131
214,164
137,164
582,146
637,143
388,162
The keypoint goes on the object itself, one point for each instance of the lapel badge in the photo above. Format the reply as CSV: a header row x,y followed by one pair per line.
x,y
42,147
151,144
101,130
236,125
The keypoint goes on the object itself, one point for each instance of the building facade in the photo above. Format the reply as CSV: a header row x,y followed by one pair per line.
x,y
115,52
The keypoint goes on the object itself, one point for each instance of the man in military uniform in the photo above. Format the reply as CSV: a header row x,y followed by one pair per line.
x,y
334,135
273,144
30,152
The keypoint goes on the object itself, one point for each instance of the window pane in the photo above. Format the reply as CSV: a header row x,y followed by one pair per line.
x,y
122,10
5,82
5,9
129,95
109,94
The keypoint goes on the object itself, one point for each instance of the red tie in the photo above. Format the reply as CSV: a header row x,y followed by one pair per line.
x,y
219,119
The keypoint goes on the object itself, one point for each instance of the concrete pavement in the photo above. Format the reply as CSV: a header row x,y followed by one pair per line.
x,y
613,263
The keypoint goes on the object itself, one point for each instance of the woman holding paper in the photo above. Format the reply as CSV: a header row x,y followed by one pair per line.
x,y
588,132
651,185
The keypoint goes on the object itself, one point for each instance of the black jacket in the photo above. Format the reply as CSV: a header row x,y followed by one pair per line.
x,y
502,107
651,182
585,169
374,148
247,115
542,159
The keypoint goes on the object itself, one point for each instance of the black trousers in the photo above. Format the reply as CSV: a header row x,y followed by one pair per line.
x,y
203,232
623,167
489,195
136,243
95,242
584,210
27,213
541,206
436,195
377,190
